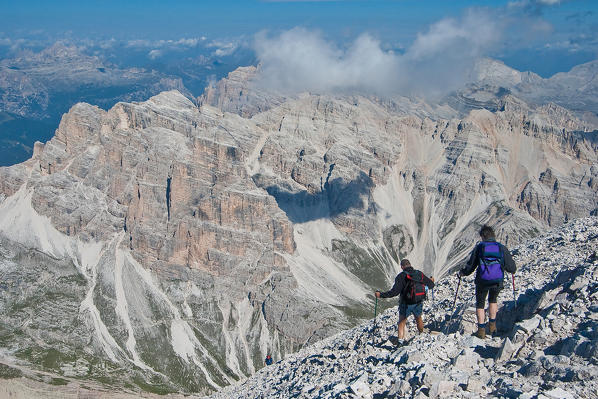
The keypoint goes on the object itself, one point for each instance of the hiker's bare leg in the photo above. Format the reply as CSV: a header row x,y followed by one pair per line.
x,y
420,324
402,324
492,310
481,315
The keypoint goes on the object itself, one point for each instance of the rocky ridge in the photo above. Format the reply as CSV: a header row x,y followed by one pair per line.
x,y
489,86
547,345
575,90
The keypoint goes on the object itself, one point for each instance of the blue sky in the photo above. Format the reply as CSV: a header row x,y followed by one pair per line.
x,y
158,19
545,36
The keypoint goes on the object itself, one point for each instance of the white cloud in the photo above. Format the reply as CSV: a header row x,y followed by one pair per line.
x,y
170,44
107,44
223,48
190,42
139,43
155,54
437,62
532,5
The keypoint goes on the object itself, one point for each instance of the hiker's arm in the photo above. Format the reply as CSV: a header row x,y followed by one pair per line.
x,y
471,263
428,281
509,262
396,289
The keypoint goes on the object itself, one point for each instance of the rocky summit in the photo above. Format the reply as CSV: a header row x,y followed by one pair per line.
x,y
546,346
169,247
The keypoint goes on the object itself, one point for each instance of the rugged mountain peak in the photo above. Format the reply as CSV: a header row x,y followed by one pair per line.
x,y
238,94
583,73
79,128
171,99
493,71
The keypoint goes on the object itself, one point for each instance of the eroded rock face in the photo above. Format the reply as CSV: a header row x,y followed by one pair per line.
x,y
201,240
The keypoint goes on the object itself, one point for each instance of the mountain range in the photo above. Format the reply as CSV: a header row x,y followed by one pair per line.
x,y
38,87
169,246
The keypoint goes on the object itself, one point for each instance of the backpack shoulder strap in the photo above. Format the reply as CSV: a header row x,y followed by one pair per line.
x,y
479,248
417,276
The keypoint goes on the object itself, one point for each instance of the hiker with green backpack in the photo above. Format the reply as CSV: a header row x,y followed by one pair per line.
x,y
491,259
411,285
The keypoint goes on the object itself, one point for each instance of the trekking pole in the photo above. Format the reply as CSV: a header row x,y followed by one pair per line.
x,y
375,316
453,307
514,298
456,293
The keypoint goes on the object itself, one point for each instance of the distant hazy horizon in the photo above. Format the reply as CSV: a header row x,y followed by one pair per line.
x,y
542,36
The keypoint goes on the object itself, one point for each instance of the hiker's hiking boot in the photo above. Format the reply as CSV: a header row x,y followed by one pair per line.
x,y
397,341
481,333
492,328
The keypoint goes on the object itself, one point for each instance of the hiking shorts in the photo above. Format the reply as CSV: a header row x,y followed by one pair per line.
x,y
406,309
481,292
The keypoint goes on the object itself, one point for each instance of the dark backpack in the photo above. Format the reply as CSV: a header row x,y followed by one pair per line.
x,y
415,289
491,262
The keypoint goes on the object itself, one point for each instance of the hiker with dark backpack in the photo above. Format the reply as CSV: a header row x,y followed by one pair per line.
x,y
491,259
411,285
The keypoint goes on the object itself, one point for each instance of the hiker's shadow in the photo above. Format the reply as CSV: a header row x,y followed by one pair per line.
x,y
533,299
487,351
453,322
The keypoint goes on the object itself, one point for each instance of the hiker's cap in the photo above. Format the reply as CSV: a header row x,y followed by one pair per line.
x,y
405,262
